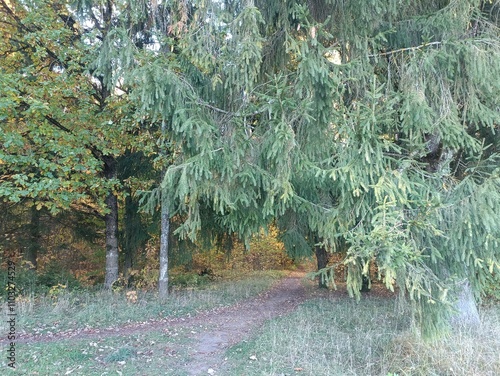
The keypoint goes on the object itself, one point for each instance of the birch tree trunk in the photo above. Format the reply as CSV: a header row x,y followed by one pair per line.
x,y
111,220
165,231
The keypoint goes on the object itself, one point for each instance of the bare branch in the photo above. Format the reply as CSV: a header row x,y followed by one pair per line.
x,y
415,48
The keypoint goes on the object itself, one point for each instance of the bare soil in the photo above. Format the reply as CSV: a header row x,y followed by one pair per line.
x,y
236,323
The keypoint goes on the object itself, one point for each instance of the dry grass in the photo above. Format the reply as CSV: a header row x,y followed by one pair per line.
x,y
70,310
462,353
373,337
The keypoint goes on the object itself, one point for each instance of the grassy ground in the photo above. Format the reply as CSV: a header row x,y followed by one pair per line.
x,y
373,337
152,353
334,336
103,309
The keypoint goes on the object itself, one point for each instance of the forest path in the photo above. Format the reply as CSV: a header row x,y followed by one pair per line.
x,y
212,332
238,322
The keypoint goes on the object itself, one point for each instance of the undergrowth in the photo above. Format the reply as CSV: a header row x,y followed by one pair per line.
x,y
372,337
62,309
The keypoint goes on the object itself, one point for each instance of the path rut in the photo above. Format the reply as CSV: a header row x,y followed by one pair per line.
x,y
239,321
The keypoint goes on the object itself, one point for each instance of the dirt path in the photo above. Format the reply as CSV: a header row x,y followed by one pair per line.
x,y
216,330
237,322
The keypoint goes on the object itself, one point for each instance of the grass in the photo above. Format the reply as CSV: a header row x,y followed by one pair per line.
x,y
160,353
334,336
323,337
373,337
152,353
463,353
70,310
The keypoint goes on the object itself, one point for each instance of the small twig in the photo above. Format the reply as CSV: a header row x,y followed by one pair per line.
x,y
406,49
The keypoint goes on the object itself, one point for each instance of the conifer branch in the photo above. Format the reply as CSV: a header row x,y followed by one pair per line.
x,y
225,112
407,49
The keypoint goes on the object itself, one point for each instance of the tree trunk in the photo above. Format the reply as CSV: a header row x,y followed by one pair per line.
x,y
111,220
466,313
165,230
131,223
164,234
365,279
322,261
31,251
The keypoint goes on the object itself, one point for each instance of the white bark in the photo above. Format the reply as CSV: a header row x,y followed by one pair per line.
x,y
165,229
466,312
164,234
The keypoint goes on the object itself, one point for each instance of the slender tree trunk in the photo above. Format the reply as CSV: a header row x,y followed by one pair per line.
x,y
111,220
164,234
129,246
322,261
165,230
31,251
365,280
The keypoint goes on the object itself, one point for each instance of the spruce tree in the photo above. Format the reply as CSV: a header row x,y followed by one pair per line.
x,y
369,126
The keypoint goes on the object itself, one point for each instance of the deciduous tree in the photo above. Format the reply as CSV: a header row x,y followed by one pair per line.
x,y
62,128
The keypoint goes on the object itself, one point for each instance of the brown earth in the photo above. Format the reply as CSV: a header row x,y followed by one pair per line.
x,y
237,322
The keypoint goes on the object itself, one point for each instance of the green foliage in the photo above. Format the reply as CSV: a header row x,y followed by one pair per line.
x,y
186,279
371,131
26,282
371,135
31,283
55,275
491,291
371,126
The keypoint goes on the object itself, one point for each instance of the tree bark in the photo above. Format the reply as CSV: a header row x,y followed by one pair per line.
x,y
365,280
164,232
111,220
466,313
322,262
31,251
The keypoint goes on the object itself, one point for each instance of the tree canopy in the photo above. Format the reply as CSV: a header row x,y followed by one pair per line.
x,y
369,126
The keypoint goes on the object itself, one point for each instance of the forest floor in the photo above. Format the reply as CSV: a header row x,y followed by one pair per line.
x,y
211,332
274,332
